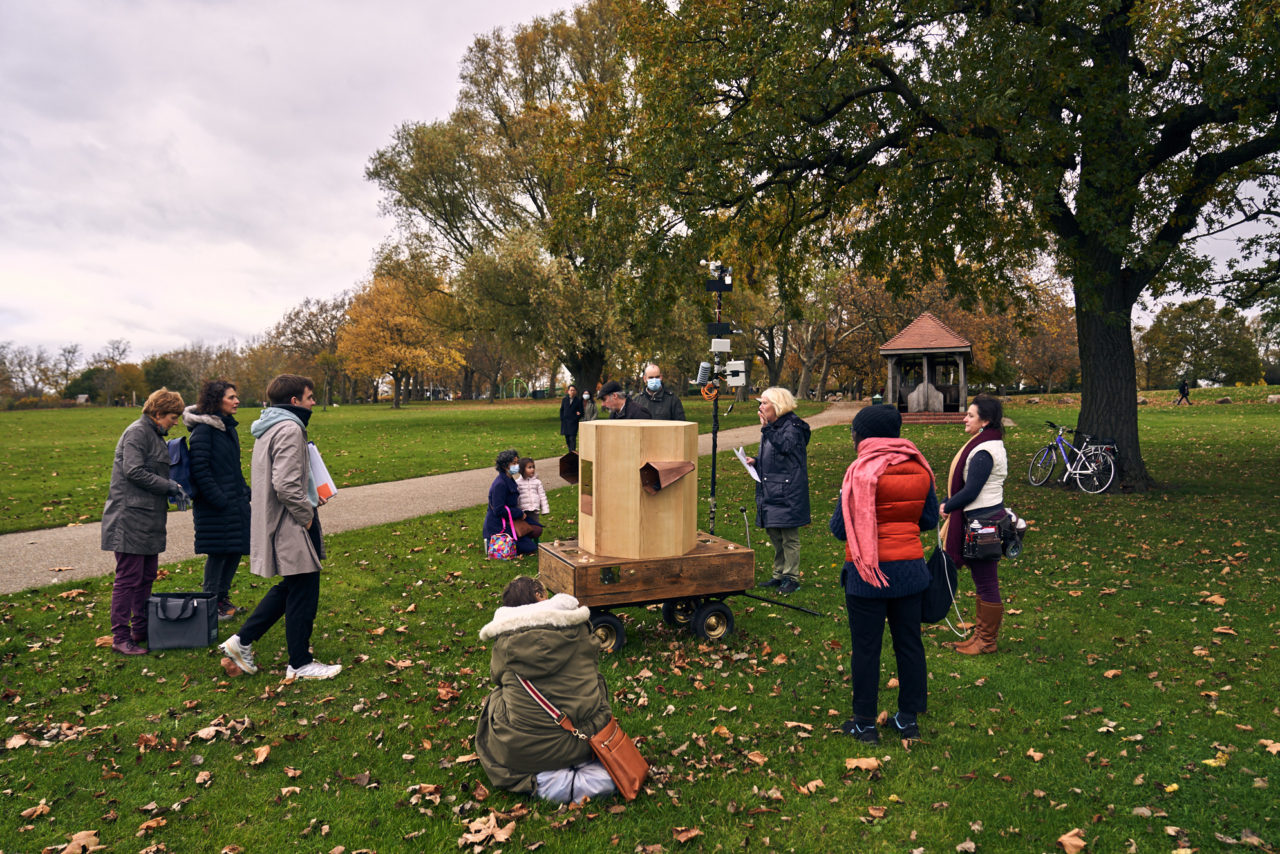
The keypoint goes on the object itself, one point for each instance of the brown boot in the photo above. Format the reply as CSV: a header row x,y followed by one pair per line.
x,y
990,615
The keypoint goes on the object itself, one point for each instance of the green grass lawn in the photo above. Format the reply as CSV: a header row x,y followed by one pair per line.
x,y
55,465
1134,696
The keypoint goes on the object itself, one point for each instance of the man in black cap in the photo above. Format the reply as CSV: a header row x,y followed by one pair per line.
x,y
619,405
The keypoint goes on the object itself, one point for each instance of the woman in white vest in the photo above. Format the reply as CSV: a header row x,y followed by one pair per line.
x,y
975,485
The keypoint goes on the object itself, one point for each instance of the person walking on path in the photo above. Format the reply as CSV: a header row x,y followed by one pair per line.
x,y
570,415
663,403
133,521
286,537
782,493
1184,392
975,486
221,507
886,500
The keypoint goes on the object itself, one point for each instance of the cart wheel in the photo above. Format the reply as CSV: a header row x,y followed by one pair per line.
x,y
679,612
713,621
609,630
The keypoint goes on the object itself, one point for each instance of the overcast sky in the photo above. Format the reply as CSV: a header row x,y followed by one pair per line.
x,y
175,171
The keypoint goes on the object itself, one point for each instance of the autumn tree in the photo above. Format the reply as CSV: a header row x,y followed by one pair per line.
x,y
970,139
1200,340
1047,353
538,150
310,331
387,334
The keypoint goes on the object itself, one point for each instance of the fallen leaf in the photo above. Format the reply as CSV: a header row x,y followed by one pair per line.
x,y
260,754
757,757
39,809
1072,841
1112,674
1035,757
861,763
150,825
684,834
289,790
81,842
968,846
794,724
1218,761
1224,630
71,594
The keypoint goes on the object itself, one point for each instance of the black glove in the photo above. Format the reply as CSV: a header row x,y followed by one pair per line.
x,y
175,489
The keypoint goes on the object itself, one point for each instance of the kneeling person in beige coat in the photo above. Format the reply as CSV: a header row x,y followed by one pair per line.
x,y
285,537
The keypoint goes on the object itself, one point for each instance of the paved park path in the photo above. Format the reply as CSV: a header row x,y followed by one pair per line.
x,y
52,555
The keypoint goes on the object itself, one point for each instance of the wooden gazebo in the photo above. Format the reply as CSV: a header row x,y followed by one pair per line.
x,y
926,368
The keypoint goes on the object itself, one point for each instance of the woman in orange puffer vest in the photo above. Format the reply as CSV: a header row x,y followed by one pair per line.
x,y
886,500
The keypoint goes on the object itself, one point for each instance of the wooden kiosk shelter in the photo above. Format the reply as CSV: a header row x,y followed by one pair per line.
x,y
927,370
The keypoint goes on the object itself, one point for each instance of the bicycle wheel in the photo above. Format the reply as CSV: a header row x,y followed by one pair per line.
x,y
1100,470
1042,465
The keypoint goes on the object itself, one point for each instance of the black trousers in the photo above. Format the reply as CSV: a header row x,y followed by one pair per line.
x,y
219,571
571,441
866,629
296,598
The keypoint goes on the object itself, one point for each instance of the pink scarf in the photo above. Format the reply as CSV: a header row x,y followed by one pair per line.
x,y
858,501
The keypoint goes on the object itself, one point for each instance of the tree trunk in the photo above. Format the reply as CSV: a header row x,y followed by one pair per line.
x,y
825,375
1108,398
586,367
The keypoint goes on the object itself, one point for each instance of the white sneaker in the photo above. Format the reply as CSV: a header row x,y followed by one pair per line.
x,y
240,653
314,670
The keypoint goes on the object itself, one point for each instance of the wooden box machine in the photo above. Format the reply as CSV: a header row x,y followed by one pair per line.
x,y
638,541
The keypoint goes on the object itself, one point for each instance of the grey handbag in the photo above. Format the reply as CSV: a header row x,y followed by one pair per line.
x,y
182,620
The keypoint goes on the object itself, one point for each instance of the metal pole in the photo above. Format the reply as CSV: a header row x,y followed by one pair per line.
x,y
715,423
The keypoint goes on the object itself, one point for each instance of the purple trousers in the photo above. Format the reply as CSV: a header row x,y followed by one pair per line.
x,y
134,576
986,580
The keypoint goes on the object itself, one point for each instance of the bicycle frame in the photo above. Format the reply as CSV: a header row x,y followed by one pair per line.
x,y
1080,464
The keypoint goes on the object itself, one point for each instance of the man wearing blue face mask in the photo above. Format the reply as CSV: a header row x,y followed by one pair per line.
x,y
663,404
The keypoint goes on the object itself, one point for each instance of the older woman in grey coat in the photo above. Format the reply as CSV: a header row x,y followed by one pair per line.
x,y
133,522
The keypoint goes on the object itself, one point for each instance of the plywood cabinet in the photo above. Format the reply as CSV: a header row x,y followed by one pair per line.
x,y
617,515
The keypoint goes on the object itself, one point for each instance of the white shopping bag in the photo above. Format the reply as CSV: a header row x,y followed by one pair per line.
x,y
325,486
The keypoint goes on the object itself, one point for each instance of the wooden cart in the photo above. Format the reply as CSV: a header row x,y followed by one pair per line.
x,y
691,587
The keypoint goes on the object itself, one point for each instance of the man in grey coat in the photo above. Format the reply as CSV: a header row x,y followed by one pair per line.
x,y
284,530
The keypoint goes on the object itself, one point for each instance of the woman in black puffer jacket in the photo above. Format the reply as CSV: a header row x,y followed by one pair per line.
x,y
782,493
222,496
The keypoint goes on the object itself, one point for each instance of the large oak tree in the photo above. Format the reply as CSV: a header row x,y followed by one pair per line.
x,y
971,138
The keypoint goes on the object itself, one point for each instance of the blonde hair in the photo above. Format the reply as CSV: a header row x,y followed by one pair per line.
x,y
780,399
163,402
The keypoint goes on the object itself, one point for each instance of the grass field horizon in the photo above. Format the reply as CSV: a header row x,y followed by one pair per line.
x,y
55,464
1133,700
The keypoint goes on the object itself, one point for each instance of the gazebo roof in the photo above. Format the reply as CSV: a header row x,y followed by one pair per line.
x,y
926,334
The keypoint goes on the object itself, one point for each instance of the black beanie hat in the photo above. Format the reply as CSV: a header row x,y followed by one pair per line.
x,y
878,422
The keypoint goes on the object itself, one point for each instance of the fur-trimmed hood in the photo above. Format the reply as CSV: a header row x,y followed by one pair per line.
x,y
561,610
191,418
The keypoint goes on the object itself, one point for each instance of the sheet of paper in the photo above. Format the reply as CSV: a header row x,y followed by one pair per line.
x,y
751,470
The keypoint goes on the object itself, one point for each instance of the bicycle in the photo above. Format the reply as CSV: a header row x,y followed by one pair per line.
x,y
1092,465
